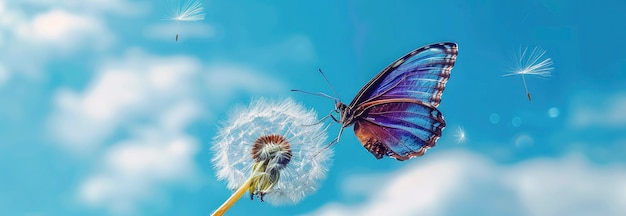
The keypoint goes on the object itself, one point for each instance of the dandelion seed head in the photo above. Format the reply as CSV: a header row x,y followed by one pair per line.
x,y
274,148
189,10
532,62
282,132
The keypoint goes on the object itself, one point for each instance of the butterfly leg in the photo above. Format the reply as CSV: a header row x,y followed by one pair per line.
x,y
332,142
335,119
336,140
339,135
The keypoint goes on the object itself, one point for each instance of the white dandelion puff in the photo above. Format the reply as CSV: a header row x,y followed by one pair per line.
x,y
187,11
269,149
532,63
460,135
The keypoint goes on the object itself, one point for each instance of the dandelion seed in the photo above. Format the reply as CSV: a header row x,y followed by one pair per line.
x,y
269,149
531,63
460,135
190,10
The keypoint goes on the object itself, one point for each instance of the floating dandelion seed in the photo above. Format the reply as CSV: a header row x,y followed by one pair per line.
x,y
190,10
460,135
531,63
270,150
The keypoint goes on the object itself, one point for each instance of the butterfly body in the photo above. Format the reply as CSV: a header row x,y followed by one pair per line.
x,y
395,114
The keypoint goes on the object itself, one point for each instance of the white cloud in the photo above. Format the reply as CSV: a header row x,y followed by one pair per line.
x,y
90,6
150,99
34,32
123,92
141,86
155,154
462,183
64,30
4,75
132,170
568,186
29,38
167,31
589,110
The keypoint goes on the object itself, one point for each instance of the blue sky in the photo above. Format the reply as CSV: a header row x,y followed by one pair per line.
x,y
103,113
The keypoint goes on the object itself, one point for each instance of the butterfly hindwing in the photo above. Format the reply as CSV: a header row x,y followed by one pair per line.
x,y
401,130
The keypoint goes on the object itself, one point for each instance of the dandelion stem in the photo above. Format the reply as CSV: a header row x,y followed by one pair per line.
x,y
233,198
526,87
177,29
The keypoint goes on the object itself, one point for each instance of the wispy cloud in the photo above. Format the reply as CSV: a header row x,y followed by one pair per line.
x,y
132,170
140,86
144,103
464,183
295,48
589,110
65,30
30,39
226,79
123,7
4,75
124,91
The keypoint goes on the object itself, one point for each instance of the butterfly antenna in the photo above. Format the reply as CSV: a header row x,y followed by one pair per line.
x,y
329,85
316,94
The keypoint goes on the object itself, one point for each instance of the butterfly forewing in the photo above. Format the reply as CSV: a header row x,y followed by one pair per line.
x,y
396,113
421,74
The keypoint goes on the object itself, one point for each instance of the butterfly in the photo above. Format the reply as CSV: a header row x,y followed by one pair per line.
x,y
395,114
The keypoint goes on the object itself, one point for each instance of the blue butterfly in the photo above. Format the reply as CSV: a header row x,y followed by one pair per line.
x,y
395,114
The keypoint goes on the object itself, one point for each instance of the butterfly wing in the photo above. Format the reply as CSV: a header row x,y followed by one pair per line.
x,y
399,128
396,113
420,74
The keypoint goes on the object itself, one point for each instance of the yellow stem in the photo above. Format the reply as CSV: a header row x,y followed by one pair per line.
x,y
233,198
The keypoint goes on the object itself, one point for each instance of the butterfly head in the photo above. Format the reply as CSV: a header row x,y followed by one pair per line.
x,y
345,113
340,107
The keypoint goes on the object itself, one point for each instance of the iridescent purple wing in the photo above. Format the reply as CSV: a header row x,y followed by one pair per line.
x,y
420,74
397,111
399,128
